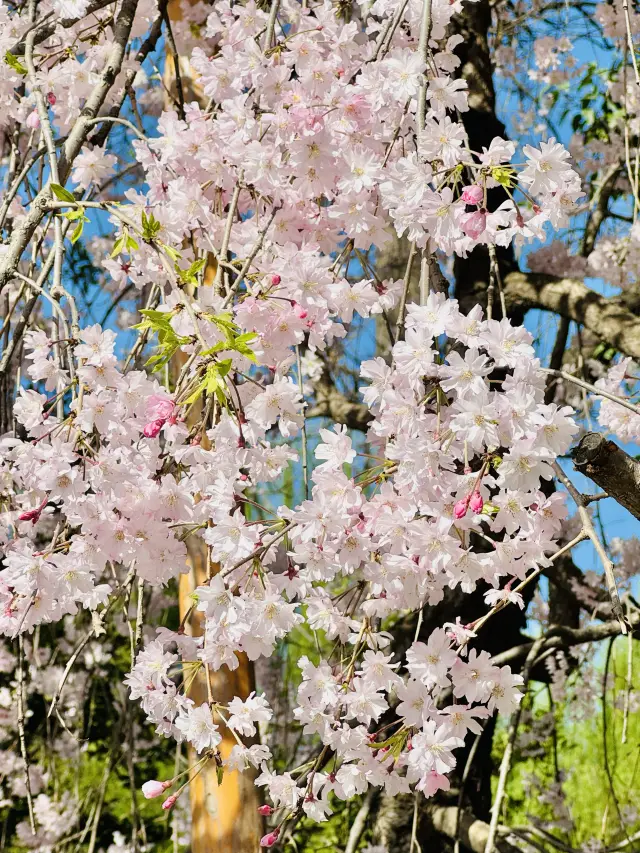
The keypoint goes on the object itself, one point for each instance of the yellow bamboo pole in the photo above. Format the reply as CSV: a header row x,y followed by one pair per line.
x,y
224,818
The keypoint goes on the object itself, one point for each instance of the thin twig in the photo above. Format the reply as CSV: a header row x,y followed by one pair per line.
x,y
508,752
587,526
600,392
405,292
21,737
305,460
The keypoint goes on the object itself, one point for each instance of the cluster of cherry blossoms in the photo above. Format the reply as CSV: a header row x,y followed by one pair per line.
x,y
309,149
458,457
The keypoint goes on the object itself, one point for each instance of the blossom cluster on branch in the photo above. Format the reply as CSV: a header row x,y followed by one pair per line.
x,y
311,140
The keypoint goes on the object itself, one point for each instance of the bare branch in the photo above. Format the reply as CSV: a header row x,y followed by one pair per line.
x,y
473,832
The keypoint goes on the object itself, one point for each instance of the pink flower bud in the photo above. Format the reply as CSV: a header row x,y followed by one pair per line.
x,y
31,515
33,120
473,194
269,839
461,507
170,802
51,99
275,279
474,224
153,788
265,810
476,503
152,429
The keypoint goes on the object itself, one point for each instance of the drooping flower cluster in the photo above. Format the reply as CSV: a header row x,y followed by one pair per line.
x,y
307,153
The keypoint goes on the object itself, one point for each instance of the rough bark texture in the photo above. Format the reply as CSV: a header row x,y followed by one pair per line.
x,y
332,403
608,318
473,833
608,465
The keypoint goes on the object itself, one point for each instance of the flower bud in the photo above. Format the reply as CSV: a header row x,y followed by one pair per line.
x,y
461,507
269,839
152,429
153,788
33,120
51,99
473,194
170,802
265,810
476,503
32,515
275,279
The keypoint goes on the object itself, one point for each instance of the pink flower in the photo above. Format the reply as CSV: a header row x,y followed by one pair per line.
x,y
432,782
473,194
275,279
159,407
300,311
265,810
153,788
476,503
33,120
152,429
270,838
461,507
474,224
306,121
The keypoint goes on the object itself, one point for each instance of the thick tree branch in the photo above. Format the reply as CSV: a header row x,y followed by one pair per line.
x,y
611,468
332,403
608,319
561,637
473,833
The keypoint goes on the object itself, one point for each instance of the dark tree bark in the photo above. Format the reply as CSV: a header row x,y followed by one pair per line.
x,y
608,465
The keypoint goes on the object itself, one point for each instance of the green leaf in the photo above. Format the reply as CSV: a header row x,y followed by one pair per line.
x,y
62,194
150,227
13,62
189,276
155,320
224,322
77,231
174,254
72,215
224,366
119,246
240,344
